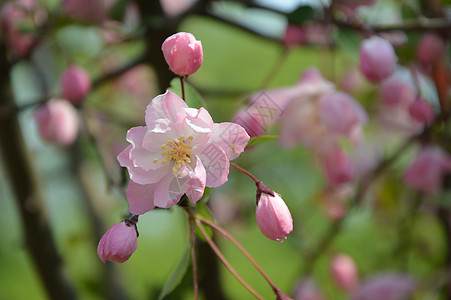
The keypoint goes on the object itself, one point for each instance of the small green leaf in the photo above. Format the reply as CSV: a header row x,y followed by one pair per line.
x,y
301,14
349,43
176,276
193,98
262,139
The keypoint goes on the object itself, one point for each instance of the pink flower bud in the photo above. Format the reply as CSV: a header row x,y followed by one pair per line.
x,y
273,217
85,10
308,290
75,84
431,48
294,35
341,113
344,272
426,173
183,53
396,90
421,111
57,121
377,59
338,167
118,243
386,287
249,121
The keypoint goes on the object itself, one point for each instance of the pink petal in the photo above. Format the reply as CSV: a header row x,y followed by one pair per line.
x,y
140,197
198,124
216,164
169,190
164,106
231,137
197,182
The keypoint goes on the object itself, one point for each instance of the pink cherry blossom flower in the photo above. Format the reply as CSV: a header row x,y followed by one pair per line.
x,y
183,53
431,48
338,167
75,84
387,287
421,111
273,217
118,243
344,272
426,173
57,122
308,290
396,90
377,59
179,151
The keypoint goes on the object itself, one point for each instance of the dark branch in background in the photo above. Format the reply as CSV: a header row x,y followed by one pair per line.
x,y
16,160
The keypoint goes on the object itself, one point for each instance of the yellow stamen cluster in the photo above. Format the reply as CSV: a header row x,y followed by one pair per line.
x,y
179,151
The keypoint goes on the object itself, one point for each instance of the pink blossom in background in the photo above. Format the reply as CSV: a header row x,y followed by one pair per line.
x,y
273,217
294,35
249,119
431,48
57,122
352,81
180,150
175,7
426,173
118,243
338,167
397,90
421,111
183,53
75,84
377,59
333,201
344,272
94,11
12,15
308,290
386,287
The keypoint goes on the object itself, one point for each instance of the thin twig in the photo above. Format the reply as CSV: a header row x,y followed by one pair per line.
x,y
194,258
224,260
182,87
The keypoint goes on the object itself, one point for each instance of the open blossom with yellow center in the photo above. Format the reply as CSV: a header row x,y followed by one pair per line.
x,y
179,151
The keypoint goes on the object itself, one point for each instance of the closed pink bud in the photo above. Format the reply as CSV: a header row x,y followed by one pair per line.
x,y
431,48
341,113
377,59
344,272
338,167
308,290
251,122
183,53
294,35
85,10
57,122
118,243
426,173
273,217
396,90
386,287
75,84
421,111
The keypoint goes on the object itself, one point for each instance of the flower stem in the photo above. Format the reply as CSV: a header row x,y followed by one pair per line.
x,y
255,179
238,245
182,84
193,255
218,253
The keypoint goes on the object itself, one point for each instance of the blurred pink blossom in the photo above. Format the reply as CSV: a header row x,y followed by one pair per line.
x,y
426,173
273,217
377,59
421,111
352,81
308,290
118,243
94,11
183,53
57,122
180,150
175,7
396,90
338,167
294,35
386,287
344,272
431,48
75,84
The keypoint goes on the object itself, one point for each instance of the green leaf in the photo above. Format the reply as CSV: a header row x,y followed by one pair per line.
x,y
349,43
262,139
176,276
203,210
118,10
301,14
193,98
